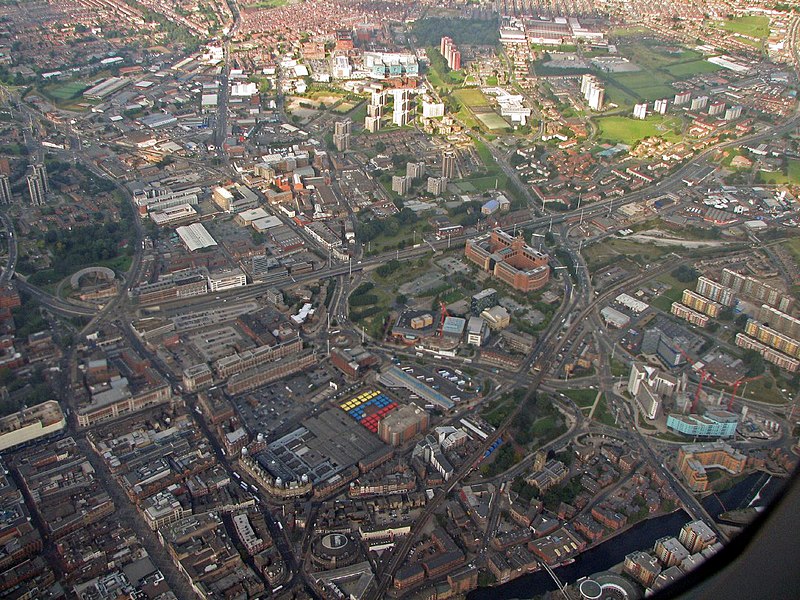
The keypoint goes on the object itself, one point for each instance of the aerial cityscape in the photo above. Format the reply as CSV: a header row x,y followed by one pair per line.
x,y
357,299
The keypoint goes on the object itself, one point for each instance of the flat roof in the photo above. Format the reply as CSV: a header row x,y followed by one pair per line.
x,y
195,236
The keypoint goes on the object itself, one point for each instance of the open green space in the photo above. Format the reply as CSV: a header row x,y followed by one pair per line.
x,y
64,92
789,175
793,245
582,398
493,121
673,294
616,249
619,368
751,26
471,97
630,131
691,68
602,414
266,3
763,390
645,85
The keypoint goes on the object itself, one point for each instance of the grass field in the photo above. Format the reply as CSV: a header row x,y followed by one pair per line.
x,y
598,254
582,398
691,68
756,27
793,245
64,92
493,121
790,176
645,85
267,3
673,294
630,131
471,97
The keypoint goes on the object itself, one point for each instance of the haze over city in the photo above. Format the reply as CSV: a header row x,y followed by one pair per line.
x,y
362,299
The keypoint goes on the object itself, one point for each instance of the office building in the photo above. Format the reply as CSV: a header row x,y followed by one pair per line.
x,y
477,331
713,424
5,190
401,184
694,460
655,342
649,386
483,300
509,259
640,111
449,164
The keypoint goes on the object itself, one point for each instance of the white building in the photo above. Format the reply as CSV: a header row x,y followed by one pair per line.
x,y
432,110
477,331
640,111
226,280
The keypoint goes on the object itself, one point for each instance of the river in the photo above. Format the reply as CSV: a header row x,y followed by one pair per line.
x,y
600,558
760,486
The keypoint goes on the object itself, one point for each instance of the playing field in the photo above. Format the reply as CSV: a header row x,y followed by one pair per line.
x,y
644,85
471,97
691,68
630,131
66,91
344,107
756,27
791,176
492,121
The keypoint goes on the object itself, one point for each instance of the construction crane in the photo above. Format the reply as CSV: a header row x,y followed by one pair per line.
x,y
444,314
736,385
